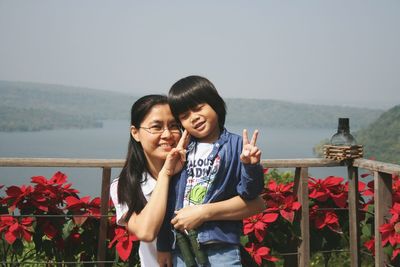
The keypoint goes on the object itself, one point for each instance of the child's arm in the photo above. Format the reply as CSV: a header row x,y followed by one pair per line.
x,y
235,208
251,175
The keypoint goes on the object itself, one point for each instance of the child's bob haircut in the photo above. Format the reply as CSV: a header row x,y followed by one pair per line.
x,y
193,90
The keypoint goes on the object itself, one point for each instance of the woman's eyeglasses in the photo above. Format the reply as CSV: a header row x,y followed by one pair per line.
x,y
175,129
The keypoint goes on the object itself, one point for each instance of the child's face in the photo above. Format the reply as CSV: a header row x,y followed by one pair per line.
x,y
201,122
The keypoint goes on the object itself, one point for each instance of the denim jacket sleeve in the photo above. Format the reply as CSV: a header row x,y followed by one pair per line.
x,y
251,181
166,237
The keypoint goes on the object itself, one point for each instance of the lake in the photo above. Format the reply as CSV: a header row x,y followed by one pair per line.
x,y
110,142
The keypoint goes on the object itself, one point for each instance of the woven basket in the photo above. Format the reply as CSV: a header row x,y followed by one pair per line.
x,y
343,152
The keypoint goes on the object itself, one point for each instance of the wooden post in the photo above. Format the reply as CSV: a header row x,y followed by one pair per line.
x,y
354,216
105,196
383,202
301,190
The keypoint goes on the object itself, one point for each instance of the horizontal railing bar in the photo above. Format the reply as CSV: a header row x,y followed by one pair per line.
x,y
268,163
45,263
306,162
54,216
119,163
379,166
61,162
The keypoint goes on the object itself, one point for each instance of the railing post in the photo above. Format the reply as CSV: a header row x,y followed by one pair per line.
x,y
301,190
354,216
105,196
383,202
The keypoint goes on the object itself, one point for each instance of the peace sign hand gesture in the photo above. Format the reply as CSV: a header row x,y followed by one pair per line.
x,y
177,156
250,153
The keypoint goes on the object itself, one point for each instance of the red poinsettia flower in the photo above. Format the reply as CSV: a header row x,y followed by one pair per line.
x,y
259,253
324,218
390,233
370,245
395,189
286,206
83,207
395,211
396,252
49,229
275,190
50,193
258,223
17,196
322,189
14,229
124,242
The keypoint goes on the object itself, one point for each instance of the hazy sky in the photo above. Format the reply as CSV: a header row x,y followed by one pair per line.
x,y
332,52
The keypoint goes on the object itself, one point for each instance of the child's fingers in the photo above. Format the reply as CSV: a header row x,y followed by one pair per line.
x,y
187,138
254,150
245,137
254,138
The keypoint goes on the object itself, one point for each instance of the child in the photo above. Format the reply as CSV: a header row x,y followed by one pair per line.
x,y
220,165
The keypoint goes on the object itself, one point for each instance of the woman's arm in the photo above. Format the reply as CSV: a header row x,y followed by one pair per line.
x,y
146,224
235,208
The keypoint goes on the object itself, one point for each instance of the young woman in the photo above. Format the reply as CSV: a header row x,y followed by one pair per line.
x,y
140,192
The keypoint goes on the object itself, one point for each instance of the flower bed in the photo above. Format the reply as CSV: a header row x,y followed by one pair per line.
x,y
47,221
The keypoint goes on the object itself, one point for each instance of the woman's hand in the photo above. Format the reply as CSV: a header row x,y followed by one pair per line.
x,y
250,153
176,157
164,259
189,217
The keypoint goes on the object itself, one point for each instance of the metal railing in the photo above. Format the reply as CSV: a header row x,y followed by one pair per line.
x,y
382,185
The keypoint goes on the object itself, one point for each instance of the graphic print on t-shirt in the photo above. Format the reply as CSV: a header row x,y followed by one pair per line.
x,y
201,174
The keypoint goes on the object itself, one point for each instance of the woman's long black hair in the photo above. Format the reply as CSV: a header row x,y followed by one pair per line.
x,y
131,176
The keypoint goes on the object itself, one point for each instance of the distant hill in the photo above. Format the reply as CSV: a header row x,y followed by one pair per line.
x,y
282,114
26,106
381,139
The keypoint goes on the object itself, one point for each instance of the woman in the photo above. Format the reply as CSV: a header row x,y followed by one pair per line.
x,y
155,153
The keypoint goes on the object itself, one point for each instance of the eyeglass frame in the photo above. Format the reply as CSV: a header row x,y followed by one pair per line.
x,y
148,129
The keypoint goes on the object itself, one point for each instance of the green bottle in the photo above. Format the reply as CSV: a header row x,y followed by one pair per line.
x,y
184,247
200,254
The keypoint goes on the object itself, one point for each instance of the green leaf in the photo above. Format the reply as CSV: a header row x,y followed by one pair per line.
x,y
67,229
388,250
244,239
366,230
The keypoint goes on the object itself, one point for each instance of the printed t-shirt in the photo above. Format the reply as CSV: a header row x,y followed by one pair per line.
x,y
201,174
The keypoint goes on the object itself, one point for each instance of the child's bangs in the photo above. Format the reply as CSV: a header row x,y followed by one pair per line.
x,y
183,103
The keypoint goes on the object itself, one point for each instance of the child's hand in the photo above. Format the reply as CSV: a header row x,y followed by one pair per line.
x,y
250,153
164,259
177,156
188,218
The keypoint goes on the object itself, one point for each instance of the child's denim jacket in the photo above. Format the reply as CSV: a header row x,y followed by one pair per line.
x,y
233,178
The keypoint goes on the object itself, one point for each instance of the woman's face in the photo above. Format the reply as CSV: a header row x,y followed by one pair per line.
x,y
157,133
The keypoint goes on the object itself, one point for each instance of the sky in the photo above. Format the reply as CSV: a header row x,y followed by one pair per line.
x,y
339,52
